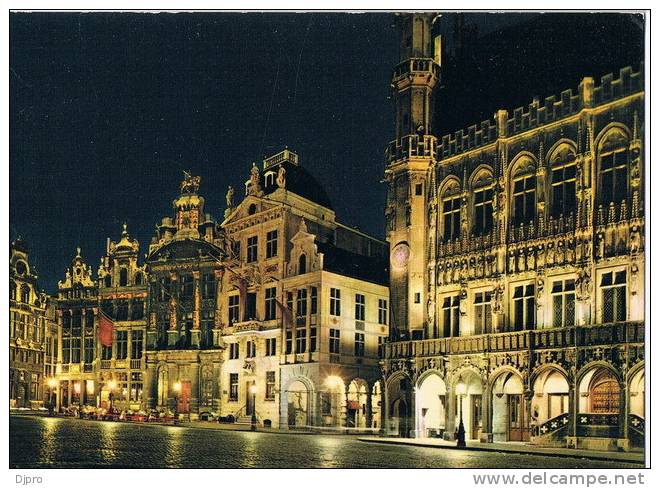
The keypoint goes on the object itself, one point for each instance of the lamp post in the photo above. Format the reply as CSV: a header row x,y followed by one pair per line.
x,y
52,384
177,388
460,391
253,420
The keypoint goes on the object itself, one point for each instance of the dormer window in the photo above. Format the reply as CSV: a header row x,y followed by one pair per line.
x,y
302,264
123,277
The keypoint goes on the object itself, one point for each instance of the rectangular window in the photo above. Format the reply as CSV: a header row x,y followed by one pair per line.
x,y
271,346
207,325
335,301
301,303
312,339
359,307
137,309
359,344
451,316
418,189
289,342
451,218
483,316
563,188
234,350
106,353
334,341
75,349
382,311
563,303
136,387
614,177
234,309
187,286
252,248
250,306
121,308
251,349
121,344
313,305
271,244
483,211
66,350
301,341
270,385
524,199
208,285
418,297
524,307
270,303
233,387
136,344
89,349
613,290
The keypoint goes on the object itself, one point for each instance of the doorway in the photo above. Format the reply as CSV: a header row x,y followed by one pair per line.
x,y
475,408
516,417
183,405
249,403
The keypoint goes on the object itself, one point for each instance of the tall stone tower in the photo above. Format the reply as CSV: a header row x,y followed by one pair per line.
x,y
409,160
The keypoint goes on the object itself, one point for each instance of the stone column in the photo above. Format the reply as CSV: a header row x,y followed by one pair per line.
x,y
219,318
573,408
624,409
369,406
384,408
194,387
450,410
487,414
197,306
345,409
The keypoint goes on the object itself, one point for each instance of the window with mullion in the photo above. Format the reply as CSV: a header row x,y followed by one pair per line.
x,y
451,315
563,189
563,303
524,307
451,217
483,211
613,289
524,199
614,176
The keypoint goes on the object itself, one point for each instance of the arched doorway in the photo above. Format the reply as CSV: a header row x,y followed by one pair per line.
x,y
297,405
400,416
637,394
356,404
399,420
468,400
430,403
550,396
510,422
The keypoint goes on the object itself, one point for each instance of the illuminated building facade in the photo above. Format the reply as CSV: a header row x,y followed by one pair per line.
x,y
517,264
31,338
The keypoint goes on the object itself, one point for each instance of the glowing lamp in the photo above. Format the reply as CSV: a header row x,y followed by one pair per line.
x,y
460,388
253,389
52,382
177,386
112,384
333,381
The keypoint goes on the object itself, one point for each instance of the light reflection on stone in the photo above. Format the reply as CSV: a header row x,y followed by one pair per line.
x,y
174,456
48,444
107,441
329,449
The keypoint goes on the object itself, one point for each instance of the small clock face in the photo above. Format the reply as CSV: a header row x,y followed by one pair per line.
x,y
400,255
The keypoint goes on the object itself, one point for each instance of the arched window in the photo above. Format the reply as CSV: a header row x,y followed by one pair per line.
x,y
138,278
482,192
302,264
613,164
524,192
107,281
123,277
252,209
25,294
451,211
12,290
562,181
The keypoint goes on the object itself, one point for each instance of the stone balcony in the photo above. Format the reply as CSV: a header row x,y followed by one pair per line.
x,y
252,326
552,338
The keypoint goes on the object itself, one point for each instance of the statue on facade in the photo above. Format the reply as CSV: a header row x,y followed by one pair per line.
x,y
281,177
190,184
229,197
255,188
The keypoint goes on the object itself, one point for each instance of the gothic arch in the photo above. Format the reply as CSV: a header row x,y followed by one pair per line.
x,y
547,368
587,368
450,186
634,370
480,175
523,163
503,370
428,372
558,148
610,130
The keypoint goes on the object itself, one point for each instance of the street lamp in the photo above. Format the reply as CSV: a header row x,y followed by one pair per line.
x,y
460,391
253,420
52,384
177,388
112,384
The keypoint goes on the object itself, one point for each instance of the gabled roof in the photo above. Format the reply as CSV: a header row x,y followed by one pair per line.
x,y
298,181
346,263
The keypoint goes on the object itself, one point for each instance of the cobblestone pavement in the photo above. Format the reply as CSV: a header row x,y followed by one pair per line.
x,y
43,442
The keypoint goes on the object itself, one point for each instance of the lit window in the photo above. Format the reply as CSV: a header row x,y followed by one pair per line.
x,y
613,290
563,303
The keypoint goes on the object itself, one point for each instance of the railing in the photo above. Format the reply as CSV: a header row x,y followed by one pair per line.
x,y
551,426
136,363
254,326
88,367
636,424
411,146
106,363
580,336
415,65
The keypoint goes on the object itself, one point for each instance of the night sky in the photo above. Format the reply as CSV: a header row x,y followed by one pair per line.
x,y
108,109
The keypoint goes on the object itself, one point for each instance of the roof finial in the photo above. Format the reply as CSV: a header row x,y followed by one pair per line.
x,y
78,252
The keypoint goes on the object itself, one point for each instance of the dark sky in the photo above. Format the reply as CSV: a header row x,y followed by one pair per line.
x,y
107,109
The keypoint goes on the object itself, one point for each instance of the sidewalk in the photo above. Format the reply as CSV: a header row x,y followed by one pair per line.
x,y
514,447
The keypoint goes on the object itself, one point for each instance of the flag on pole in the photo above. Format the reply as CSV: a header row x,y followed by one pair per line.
x,y
287,314
105,329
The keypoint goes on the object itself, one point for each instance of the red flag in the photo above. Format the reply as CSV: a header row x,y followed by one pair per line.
x,y
287,314
106,326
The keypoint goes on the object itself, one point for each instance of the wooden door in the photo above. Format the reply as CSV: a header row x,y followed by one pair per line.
x,y
515,418
249,402
183,405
